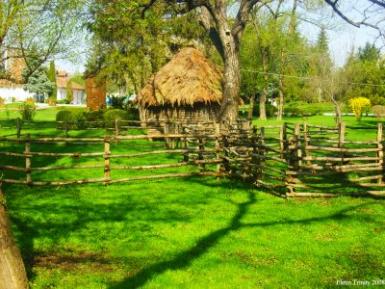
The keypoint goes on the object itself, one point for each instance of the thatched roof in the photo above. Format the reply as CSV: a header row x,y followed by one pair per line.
x,y
189,78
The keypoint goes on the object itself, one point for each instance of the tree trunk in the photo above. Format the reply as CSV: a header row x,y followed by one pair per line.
x,y
12,271
281,87
281,99
337,108
251,108
263,96
231,82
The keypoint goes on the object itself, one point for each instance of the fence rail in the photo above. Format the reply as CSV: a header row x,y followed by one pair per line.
x,y
289,160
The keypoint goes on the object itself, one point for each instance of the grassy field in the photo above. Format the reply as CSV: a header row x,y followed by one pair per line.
x,y
191,233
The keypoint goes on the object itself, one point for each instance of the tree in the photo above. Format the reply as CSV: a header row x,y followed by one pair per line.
x,y
52,78
37,81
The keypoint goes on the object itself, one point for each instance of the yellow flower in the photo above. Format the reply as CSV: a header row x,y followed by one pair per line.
x,y
358,104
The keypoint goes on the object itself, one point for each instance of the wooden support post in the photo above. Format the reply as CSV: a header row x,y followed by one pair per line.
x,y
341,139
341,134
107,165
19,125
262,151
282,139
226,163
186,157
218,145
380,153
28,162
255,160
298,150
306,140
201,148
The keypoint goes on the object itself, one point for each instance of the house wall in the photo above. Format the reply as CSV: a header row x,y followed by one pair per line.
x,y
61,93
18,93
79,97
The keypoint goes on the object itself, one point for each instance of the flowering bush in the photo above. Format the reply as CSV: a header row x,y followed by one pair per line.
x,y
358,104
2,102
27,109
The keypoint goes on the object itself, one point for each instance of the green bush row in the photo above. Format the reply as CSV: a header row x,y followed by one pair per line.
x,y
300,108
77,119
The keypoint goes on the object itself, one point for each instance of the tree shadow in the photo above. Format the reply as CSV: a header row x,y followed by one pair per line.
x,y
205,243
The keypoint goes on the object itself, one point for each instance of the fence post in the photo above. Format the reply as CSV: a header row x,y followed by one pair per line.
x,y
19,126
107,165
297,146
283,139
28,162
218,145
341,139
201,147
306,143
341,134
380,153
262,150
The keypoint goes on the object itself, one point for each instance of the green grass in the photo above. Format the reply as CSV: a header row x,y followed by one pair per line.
x,y
187,233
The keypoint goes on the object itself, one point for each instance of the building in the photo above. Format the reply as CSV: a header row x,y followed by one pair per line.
x,y
11,86
64,83
186,90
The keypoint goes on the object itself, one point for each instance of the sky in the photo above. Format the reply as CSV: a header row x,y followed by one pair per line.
x,y
342,36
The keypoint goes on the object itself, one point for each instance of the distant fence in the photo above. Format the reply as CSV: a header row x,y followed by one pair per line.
x,y
288,160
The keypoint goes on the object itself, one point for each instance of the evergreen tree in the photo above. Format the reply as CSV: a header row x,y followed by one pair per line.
x,y
52,77
322,41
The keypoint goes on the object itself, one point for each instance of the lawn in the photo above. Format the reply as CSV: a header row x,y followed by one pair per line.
x,y
191,233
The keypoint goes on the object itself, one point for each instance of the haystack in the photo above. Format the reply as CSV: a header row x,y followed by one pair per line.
x,y
185,90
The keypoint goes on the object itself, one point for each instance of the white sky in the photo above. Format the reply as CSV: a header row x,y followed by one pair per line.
x,y
342,36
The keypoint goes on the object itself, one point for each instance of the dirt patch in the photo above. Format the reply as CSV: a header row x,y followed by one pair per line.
x,y
75,261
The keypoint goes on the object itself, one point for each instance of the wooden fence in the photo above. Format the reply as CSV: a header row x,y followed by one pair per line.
x,y
288,160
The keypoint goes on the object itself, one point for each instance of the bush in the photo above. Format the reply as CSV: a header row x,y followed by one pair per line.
x,y
73,119
110,116
300,108
2,102
94,115
65,116
379,111
27,110
359,105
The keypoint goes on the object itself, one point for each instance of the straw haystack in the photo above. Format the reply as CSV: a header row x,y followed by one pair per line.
x,y
185,90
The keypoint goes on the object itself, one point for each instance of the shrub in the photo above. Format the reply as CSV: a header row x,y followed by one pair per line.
x,y
27,110
52,101
300,108
74,119
379,111
94,115
79,119
110,116
65,115
358,105
2,102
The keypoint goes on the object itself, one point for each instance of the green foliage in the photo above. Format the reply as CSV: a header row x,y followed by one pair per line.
x,y
27,110
65,116
379,111
70,93
363,76
300,108
111,115
94,115
71,119
52,77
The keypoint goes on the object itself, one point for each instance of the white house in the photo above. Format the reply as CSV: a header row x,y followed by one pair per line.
x,y
63,83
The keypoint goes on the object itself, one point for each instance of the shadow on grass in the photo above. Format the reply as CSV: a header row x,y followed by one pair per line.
x,y
205,243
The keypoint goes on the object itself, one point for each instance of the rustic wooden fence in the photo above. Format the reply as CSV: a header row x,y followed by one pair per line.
x,y
289,160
